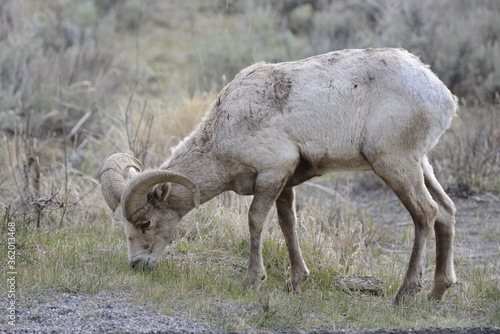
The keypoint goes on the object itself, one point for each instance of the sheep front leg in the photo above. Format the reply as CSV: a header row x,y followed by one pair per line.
x,y
287,220
266,193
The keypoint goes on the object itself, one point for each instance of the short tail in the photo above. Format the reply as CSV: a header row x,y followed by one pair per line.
x,y
455,105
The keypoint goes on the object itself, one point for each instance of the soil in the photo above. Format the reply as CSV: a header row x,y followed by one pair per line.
x,y
477,241
477,229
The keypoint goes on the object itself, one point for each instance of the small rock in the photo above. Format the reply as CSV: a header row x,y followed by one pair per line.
x,y
363,284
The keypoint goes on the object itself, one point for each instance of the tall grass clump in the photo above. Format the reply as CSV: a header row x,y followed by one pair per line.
x,y
468,156
149,128
55,78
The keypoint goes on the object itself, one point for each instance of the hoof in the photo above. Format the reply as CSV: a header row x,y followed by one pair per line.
x,y
293,284
406,292
438,290
291,288
253,282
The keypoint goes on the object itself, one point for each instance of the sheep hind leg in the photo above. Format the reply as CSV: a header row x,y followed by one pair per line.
x,y
287,219
444,275
267,189
405,177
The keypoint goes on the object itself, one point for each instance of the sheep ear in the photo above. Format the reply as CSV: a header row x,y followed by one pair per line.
x,y
142,189
161,191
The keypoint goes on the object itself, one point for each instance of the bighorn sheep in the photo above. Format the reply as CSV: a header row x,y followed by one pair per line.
x,y
277,125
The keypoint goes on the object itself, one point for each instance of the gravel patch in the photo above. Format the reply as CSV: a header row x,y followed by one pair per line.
x,y
115,312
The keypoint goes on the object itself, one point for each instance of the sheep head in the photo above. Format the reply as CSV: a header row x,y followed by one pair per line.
x,y
140,199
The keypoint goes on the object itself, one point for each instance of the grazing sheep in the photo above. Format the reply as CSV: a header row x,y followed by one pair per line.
x,y
278,125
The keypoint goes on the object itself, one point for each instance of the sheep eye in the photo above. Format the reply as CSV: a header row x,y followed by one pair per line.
x,y
145,225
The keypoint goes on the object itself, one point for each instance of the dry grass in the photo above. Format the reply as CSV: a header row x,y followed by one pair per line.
x,y
67,241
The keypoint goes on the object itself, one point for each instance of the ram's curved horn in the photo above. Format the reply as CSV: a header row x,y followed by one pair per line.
x,y
114,174
134,195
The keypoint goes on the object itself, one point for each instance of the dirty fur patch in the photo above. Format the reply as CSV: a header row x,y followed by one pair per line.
x,y
280,88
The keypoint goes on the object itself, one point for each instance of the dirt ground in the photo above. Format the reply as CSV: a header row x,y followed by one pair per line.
x,y
477,229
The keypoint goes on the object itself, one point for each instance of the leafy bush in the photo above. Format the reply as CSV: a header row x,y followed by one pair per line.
x,y
468,157
300,19
85,14
132,13
256,37
56,79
